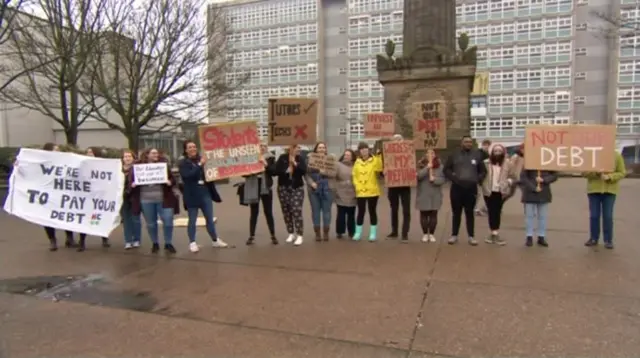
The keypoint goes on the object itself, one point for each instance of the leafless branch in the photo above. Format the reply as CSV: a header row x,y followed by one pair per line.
x,y
153,71
49,60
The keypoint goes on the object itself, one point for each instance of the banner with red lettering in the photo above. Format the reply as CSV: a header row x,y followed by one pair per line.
x,y
379,125
570,148
399,163
232,149
430,125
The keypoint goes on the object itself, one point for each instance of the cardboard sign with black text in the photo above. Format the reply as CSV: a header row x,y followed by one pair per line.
x,y
430,125
292,121
399,163
571,148
379,125
325,164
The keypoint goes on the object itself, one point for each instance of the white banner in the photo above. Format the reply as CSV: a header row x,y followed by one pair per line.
x,y
66,191
150,173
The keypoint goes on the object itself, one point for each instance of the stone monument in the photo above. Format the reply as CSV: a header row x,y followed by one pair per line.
x,y
430,68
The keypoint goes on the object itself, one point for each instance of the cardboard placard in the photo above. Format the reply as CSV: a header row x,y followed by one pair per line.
x,y
232,149
292,121
573,148
379,125
430,124
325,164
399,163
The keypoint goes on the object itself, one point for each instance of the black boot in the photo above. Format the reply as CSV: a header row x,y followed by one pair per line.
x,y
53,244
69,242
105,242
81,244
274,240
529,241
542,241
155,248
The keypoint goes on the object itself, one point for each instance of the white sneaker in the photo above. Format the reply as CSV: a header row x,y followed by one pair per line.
x,y
136,244
219,244
298,241
193,247
432,238
215,219
425,238
128,246
290,238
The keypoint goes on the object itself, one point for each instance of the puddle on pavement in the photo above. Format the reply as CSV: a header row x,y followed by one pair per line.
x,y
94,289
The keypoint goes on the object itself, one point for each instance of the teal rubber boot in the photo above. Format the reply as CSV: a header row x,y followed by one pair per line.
x,y
373,233
358,233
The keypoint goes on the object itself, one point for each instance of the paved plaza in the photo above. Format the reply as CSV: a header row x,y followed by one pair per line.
x,y
335,299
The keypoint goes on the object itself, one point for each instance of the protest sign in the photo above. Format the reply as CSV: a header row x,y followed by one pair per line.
x,y
150,173
325,164
292,121
430,125
232,149
66,191
399,163
379,125
572,148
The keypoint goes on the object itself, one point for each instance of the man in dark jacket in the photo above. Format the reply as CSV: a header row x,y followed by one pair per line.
x,y
465,169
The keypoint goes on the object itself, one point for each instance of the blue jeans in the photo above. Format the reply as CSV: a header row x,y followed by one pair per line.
x,y
533,211
131,225
601,206
151,211
206,206
320,206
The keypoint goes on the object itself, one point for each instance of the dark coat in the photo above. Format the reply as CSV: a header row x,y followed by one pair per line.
x,y
169,198
528,186
192,173
294,180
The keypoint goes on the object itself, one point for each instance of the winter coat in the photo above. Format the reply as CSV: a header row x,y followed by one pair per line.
x,y
429,194
365,176
528,186
344,193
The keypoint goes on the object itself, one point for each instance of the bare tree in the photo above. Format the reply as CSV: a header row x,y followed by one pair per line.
x,y
54,52
153,71
9,10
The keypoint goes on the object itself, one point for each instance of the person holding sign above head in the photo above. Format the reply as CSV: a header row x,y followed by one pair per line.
x,y
365,180
345,195
400,195
320,197
536,196
257,188
291,169
429,193
155,200
465,169
602,190
51,232
130,222
105,240
198,195
495,188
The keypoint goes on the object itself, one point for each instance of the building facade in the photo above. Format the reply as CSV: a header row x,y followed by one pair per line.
x,y
543,61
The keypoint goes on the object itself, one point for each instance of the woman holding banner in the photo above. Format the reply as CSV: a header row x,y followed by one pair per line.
x,y
365,180
345,195
155,200
320,197
291,169
130,222
198,195
51,232
429,194
602,190
257,188
91,152
536,196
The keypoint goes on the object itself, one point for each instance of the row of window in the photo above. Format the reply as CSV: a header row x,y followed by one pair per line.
x,y
373,23
496,10
629,98
629,72
274,56
367,6
365,89
276,75
271,13
260,96
274,36
373,45
527,30
630,46
553,77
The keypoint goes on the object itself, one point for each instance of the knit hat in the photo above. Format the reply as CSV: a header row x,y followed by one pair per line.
x,y
363,145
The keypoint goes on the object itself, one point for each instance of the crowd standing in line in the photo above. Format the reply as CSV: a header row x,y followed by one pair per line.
x,y
355,189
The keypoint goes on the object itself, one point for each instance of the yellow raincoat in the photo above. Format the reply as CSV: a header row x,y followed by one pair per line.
x,y
365,176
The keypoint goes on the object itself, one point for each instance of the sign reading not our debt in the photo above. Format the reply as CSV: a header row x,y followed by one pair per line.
x,y
399,163
66,191
150,173
430,125
292,121
232,150
572,148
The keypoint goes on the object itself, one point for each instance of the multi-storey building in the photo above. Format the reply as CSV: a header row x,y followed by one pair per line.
x,y
548,61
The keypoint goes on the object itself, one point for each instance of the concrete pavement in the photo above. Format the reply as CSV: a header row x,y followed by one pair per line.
x,y
335,299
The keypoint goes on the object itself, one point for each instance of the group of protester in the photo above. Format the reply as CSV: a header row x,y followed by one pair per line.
x,y
355,189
